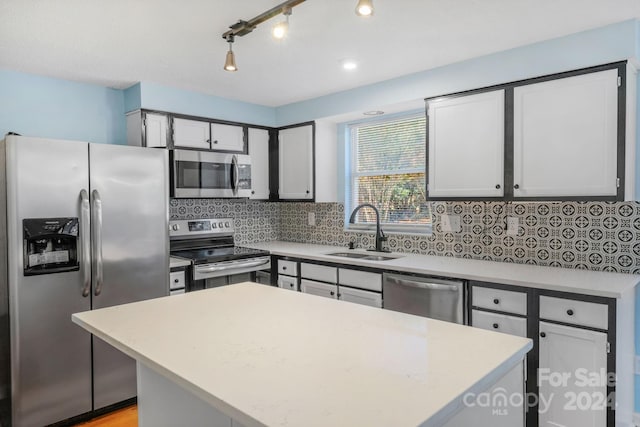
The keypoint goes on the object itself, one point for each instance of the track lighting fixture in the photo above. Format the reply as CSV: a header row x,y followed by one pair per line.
x,y
230,61
364,8
279,31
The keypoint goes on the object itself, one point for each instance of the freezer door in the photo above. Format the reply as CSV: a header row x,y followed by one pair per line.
x,y
129,199
50,356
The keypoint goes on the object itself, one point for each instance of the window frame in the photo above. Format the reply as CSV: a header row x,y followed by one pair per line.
x,y
351,176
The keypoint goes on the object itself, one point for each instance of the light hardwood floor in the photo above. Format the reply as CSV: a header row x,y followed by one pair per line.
x,y
126,417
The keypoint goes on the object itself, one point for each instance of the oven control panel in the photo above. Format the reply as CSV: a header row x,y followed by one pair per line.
x,y
201,226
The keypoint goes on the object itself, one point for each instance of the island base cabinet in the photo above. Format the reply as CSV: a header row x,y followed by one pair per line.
x,y
163,403
572,377
500,405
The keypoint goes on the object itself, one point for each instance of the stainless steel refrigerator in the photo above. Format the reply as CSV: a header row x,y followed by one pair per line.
x,y
82,226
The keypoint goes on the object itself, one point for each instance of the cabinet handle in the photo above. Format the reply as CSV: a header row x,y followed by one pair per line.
x,y
284,268
339,294
331,293
543,334
215,141
176,281
496,301
496,326
570,312
208,141
308,191
497,186
253,192
516,186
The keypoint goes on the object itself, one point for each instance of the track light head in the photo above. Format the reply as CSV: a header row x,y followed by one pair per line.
x,y
364,8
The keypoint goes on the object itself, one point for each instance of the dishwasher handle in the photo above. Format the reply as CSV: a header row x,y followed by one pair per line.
x,y
424,285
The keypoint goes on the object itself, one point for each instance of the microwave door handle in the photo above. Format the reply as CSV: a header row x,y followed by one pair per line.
x,y
85,233
235,174
97,241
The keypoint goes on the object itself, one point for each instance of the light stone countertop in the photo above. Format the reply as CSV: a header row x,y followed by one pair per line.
x,y
268,356
175,262
611,285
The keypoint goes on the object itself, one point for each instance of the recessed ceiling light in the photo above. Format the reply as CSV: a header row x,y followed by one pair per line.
x,y
349,65
373,113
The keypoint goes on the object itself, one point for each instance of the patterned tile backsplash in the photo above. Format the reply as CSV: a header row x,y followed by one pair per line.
x,y
583,235
253,221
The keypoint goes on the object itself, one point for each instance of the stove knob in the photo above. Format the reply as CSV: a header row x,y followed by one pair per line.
x,y
175,227
226,224
220,225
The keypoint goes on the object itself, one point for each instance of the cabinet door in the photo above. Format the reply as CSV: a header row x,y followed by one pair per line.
x,y
296,162
569,356
156,129
372,299
191,133
466,146
565,136
227,137
288,282
320,289
259,152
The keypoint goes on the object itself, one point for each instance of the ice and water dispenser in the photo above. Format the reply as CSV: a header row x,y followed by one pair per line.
x,y
50,245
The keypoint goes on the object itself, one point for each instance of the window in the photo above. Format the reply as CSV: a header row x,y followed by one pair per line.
x,y
387,168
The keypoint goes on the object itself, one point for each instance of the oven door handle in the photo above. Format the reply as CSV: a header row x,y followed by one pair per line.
x,y
214,268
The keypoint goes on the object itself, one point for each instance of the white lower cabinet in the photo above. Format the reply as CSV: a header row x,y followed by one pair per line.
x,y
499,322
358,296
288,282
572,376
320,289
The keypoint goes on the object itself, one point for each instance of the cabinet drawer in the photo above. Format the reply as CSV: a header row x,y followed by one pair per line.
x,y
576,312
361,279
499,299
176,280
499,322
289,268
319,272
372,299
319,289
287,282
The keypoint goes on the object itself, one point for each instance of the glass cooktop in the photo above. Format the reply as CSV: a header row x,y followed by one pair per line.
x,y
209,255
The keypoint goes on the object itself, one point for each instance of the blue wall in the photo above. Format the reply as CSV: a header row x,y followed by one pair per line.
x,y
53,108
157,97
594,47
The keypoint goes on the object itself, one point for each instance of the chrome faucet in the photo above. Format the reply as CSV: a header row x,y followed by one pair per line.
x,y
380,237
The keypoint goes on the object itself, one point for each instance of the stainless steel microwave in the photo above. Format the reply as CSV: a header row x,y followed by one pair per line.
x,y
208,174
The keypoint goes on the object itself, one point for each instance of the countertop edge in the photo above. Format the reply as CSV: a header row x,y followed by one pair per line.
x,y
384,265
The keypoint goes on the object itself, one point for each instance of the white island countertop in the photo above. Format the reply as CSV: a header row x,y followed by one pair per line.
x,y
271,357
597,283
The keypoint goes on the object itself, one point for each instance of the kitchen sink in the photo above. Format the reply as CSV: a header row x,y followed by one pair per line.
x,y
349,254
367,257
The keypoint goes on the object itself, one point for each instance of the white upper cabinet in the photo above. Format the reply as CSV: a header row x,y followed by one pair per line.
x,y
156,129
191,133
227,137
145,129
259,152
296,163
466,146
565,137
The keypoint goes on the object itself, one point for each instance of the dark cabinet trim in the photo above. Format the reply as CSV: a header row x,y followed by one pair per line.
x,y
509,134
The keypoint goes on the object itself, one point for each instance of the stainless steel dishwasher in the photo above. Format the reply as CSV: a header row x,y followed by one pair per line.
x,y
434,298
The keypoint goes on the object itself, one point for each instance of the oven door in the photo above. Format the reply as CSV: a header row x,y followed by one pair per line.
x,y
228,272
208,174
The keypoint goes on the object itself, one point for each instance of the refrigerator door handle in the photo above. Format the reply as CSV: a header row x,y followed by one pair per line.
x,y
235,174
86,242
97,240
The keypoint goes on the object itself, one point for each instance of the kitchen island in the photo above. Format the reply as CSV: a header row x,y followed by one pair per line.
x,y
253,355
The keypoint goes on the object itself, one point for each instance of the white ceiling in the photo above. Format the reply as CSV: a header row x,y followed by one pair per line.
x,y
178,42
